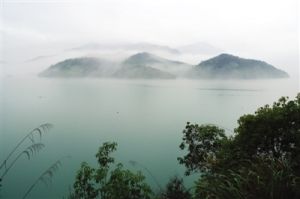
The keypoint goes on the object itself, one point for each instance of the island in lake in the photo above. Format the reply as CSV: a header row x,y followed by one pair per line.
x,y
233,67
149,66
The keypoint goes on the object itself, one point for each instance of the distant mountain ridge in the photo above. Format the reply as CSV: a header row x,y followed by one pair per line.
x,y
234,67
149,66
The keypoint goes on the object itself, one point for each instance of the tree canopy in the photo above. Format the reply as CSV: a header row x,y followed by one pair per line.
x,y
108,182
261,159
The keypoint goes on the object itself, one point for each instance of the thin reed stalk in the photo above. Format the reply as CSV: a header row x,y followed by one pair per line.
x,y
29,151
46,176
39,130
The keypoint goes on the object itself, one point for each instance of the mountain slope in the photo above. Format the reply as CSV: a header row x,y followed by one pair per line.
x,y
229,66
150,60
79,67
142,72
143,65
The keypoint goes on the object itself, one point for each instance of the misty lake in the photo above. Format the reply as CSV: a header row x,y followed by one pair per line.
x,y
145,118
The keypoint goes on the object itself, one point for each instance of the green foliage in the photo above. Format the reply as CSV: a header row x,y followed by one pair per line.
x,y
125,184
272,131
262,159
175,190
84,184
264,178
103,154
107,182
204,143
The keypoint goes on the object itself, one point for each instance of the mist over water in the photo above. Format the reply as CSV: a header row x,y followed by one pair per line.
x,y
145,117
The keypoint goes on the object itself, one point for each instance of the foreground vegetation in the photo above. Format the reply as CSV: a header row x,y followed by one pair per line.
x,y
260,160
23,149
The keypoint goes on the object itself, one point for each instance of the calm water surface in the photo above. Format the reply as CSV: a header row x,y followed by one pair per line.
x,y
145,117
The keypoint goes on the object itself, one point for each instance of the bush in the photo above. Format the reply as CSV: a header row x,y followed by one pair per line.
x,y
261,160
107,182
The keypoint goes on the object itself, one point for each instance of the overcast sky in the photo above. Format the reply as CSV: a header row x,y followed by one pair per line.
x,y
262,29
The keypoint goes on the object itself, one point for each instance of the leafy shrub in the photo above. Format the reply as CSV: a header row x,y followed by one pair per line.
x,y
261,160
106,182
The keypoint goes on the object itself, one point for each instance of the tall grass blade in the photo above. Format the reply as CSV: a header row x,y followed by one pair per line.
x,y
46,176
29,152
39,130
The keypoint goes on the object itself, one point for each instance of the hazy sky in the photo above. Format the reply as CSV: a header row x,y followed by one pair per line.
x,y
262,29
